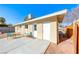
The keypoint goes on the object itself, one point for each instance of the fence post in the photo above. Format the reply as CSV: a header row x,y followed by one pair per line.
x,y
75,37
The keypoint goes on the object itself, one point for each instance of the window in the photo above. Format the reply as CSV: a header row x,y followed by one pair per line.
x,y
26,26
20,26
35,27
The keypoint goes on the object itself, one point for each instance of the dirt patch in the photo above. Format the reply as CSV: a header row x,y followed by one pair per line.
x,y
64,47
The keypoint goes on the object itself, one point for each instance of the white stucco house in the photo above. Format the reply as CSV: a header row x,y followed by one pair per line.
x,y
45,27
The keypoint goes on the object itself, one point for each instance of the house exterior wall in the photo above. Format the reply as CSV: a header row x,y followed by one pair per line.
x,y
54,31
53,21
30,28
22,29
26,30
40,30
17,29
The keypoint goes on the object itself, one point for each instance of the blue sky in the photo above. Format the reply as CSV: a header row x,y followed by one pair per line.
x,y
15,13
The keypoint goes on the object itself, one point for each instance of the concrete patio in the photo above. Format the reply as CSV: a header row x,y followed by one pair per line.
x,y
26,45
23,45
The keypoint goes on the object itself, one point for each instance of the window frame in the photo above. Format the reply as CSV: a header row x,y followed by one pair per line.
x,y
35,27
26,26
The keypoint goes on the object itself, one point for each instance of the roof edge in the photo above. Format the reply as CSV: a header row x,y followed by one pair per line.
x,y
49,15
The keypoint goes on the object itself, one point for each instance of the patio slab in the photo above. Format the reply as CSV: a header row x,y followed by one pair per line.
x,y
32,47
8,45
23,45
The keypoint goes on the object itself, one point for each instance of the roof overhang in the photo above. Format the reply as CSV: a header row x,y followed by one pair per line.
x,y
50,17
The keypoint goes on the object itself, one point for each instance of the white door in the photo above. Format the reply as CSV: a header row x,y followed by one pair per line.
x,y
35,34
35,31
46,31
